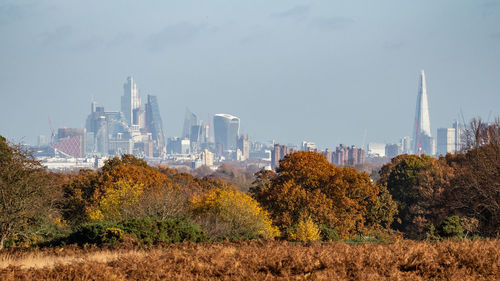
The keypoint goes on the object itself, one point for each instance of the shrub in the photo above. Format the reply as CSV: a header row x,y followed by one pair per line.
x,y
169,230
431,233
146,231
328,233
231,214
451,228
306,231
94,233
112,234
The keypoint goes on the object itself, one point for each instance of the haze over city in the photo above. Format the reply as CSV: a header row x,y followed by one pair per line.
x,y
325,71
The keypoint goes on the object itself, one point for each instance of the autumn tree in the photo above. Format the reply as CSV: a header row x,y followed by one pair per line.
x,y
24,190
417,185
233,214
105,194
307,185
478,133
474,191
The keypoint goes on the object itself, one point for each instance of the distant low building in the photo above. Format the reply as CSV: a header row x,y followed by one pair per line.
x,y
376,149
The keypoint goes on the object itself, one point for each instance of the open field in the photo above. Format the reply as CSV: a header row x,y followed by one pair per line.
x,y
406,260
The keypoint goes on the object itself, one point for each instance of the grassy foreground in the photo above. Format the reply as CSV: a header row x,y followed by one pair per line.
x,y
405,260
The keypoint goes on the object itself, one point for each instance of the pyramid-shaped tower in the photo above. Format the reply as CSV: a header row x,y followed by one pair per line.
x,y
423,143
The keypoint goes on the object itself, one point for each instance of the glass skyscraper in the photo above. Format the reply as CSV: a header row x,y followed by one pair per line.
x,y
226,131
423,142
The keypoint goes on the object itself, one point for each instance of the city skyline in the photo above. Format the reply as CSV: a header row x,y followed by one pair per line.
x,y
323,71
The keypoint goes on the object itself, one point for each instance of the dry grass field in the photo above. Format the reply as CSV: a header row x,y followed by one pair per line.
x,y
405,260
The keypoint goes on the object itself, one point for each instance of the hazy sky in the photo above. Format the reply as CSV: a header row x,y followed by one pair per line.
x,y
324,71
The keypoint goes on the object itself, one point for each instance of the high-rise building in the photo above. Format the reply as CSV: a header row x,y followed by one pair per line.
x,y
446,141
130,101
226,130
405,143
207,158
422,138
278,153
309,146
154,125
190,120
328,155
458,136
244,147
392,150
341,155
42,141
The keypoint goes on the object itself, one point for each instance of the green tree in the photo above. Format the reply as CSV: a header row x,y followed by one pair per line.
x,y
23,190
417,185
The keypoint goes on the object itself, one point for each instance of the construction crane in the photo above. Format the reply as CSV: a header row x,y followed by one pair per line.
x,y
53,134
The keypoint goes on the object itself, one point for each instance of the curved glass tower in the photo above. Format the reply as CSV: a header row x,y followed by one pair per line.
x,y
226,130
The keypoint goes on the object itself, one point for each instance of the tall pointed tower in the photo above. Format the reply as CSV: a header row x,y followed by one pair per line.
x,y
423,143
130,100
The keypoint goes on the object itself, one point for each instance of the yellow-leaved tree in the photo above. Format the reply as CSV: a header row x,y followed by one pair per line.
x,y
233,214
121,195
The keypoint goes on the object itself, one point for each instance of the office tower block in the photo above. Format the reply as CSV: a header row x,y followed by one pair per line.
x,y
207,158
392,150
244,147
423,143
278,153
328,155
341,155
190,120
42,140
226,131
458,136
154,125
308,146
446,141
130,101
405,143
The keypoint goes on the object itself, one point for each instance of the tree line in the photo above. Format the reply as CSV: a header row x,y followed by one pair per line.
x,y
305,199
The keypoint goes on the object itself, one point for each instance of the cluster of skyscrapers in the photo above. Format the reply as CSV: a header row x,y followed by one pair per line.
x,y
138,129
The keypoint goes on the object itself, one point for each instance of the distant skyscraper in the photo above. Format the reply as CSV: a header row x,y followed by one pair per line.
x,y
190,120
422,139
155,125
446,142
458,136
226,130
392,150
42,140
131,101
244,147
405,143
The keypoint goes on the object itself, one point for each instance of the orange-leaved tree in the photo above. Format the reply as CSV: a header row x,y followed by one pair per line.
x,y
307,185
104,194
